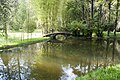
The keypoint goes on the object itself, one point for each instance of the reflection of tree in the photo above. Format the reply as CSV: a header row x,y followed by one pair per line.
x,y
5,58
15,66
112,46
87,49
113,53
70,72
46,70
18,60
117,46
90,55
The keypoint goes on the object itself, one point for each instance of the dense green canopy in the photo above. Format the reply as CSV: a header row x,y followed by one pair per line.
x,y
76,16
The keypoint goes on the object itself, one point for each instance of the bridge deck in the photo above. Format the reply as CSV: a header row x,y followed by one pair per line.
x,y
57,33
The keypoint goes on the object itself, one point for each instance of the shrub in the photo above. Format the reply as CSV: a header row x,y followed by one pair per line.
x,y
109,73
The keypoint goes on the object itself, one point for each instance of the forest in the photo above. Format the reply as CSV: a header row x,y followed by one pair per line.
x,y
80,17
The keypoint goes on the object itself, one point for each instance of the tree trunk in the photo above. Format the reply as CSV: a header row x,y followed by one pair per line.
x,y
83,10
109,6
100,33
92,8
5,29
116,17
91,24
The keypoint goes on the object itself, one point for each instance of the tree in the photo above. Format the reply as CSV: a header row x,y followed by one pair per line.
x,y
109,7
75,13
6,9
117,7
19,16
29,26
76,16
48,12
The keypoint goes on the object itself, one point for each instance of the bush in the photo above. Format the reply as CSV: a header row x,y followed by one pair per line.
x,y
109,73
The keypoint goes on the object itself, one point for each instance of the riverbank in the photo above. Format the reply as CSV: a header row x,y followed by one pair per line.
x,y
111,35
8,45
109,73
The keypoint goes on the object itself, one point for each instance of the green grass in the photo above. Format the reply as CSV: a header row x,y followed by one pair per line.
x,y
109,73
111,35
8,45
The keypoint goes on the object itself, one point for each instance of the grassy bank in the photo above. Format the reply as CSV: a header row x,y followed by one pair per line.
x,y
109,73
111,35
22,43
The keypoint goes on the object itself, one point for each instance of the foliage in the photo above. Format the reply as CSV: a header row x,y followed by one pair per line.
x,y
6,8
20,15
51,13
29,26
75,25
109,73
92,13
76,19
24,19
88,16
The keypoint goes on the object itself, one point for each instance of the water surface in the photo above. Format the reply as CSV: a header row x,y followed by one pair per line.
x,y
58,60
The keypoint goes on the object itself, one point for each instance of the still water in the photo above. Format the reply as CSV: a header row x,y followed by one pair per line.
x,y
58,60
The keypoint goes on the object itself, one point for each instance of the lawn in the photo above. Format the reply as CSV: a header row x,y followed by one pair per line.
x,y
111,35
20,39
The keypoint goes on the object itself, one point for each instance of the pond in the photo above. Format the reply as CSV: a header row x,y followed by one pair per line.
x,y
58,60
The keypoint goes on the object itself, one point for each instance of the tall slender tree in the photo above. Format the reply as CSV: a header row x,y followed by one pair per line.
x,y
117,7
109,7
6,8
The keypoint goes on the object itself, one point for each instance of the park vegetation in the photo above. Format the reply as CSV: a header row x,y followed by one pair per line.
x,y
80,17
109,73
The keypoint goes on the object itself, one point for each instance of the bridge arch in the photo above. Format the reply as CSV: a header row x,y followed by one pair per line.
x,y
54,35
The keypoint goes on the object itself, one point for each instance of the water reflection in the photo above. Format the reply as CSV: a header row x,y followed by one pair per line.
x,y
14,66
68,73
58,61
